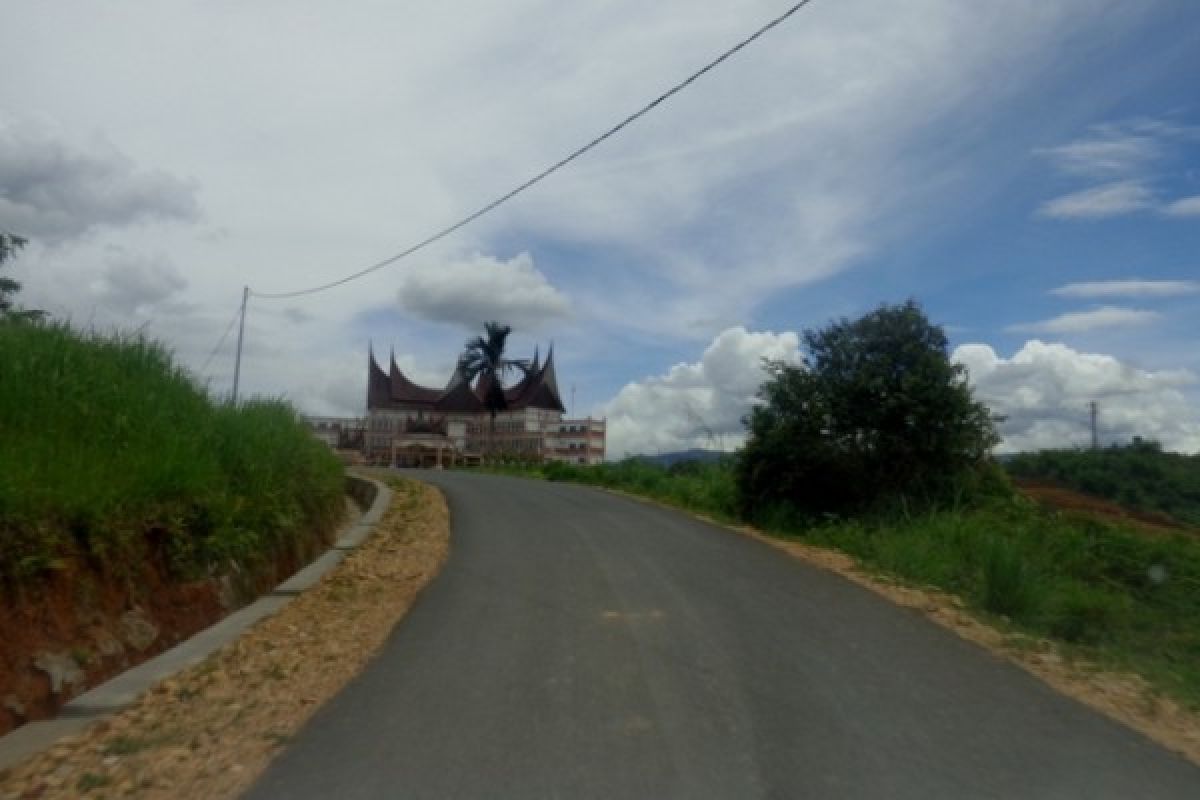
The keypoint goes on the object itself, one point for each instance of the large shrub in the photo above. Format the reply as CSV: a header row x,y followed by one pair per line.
x,y
876,413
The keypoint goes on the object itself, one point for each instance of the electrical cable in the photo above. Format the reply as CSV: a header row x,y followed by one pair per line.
x,y
221,341
444,232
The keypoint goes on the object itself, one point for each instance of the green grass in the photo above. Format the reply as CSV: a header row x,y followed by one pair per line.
x,y
1107,592
108,449
705,488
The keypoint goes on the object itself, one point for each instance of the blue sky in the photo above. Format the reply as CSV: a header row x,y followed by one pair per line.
x,y
1022,169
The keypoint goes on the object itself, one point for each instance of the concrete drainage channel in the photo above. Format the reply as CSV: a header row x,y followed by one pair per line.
x,y
120,692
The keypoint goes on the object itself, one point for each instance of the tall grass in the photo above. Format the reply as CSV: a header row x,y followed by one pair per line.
x,y
106,444
708,488
1110,592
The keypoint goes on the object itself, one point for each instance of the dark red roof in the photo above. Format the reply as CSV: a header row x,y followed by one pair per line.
x,y
538,388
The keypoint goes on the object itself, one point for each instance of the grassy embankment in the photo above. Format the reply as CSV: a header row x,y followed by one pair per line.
x,y
1112,595
110,453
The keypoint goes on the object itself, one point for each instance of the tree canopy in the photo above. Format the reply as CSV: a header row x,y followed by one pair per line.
x,y
10,245
875,413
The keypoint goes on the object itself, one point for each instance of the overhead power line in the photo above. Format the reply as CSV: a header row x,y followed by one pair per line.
x,y
221,341
444,232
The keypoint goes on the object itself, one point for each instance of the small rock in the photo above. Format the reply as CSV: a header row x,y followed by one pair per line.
x,y
137,630
62,669
107,645
13,704
227,594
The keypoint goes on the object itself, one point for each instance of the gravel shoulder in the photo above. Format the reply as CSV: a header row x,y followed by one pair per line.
x,y
212,729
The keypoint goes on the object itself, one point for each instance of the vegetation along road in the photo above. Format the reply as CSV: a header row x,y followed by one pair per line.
x,y
580,644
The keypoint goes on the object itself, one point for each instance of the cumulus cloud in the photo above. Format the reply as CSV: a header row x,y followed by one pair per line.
x,y
51,191
1184,207
699,404
1107,200
471,291
1044,389
1127,288
1080,321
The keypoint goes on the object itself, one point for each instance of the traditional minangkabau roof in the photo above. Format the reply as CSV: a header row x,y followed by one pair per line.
x,y
538,388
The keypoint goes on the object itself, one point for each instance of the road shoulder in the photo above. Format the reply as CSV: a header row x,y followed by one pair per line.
x,y
211,729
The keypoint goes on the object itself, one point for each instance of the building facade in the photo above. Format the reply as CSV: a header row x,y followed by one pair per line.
x,y
412,425
340,433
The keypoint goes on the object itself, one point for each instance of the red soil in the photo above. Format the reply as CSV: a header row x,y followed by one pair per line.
x,y
77,610
1058,497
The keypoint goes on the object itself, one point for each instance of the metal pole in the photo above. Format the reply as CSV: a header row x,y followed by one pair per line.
x,y
1095,437
237,364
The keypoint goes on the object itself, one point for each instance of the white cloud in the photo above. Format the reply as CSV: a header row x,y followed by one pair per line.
x,y
1044,391
1080,321
1110,149
472,291
1127,288
680,227
1127,153
699,404
1108,200
53,191
1184,207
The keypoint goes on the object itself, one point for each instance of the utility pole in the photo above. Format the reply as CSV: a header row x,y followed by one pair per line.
x,y
237,363
1095,437
573,400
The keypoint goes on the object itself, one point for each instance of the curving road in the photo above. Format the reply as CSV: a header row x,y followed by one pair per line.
x,y
582,645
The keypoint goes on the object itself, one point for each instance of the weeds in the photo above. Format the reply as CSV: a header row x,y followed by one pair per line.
x,y
126,746
90,780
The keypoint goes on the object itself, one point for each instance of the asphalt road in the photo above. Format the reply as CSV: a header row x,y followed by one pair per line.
x,y
582,645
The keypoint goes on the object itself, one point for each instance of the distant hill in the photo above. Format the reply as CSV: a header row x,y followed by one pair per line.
x,y
695,454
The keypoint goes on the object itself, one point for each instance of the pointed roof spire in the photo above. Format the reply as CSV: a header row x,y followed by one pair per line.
x,y
378,385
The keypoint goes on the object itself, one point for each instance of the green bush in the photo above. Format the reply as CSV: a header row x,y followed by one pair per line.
x,y
107,448
876,417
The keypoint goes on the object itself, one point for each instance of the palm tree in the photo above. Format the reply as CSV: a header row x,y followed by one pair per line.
x,y
484,359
